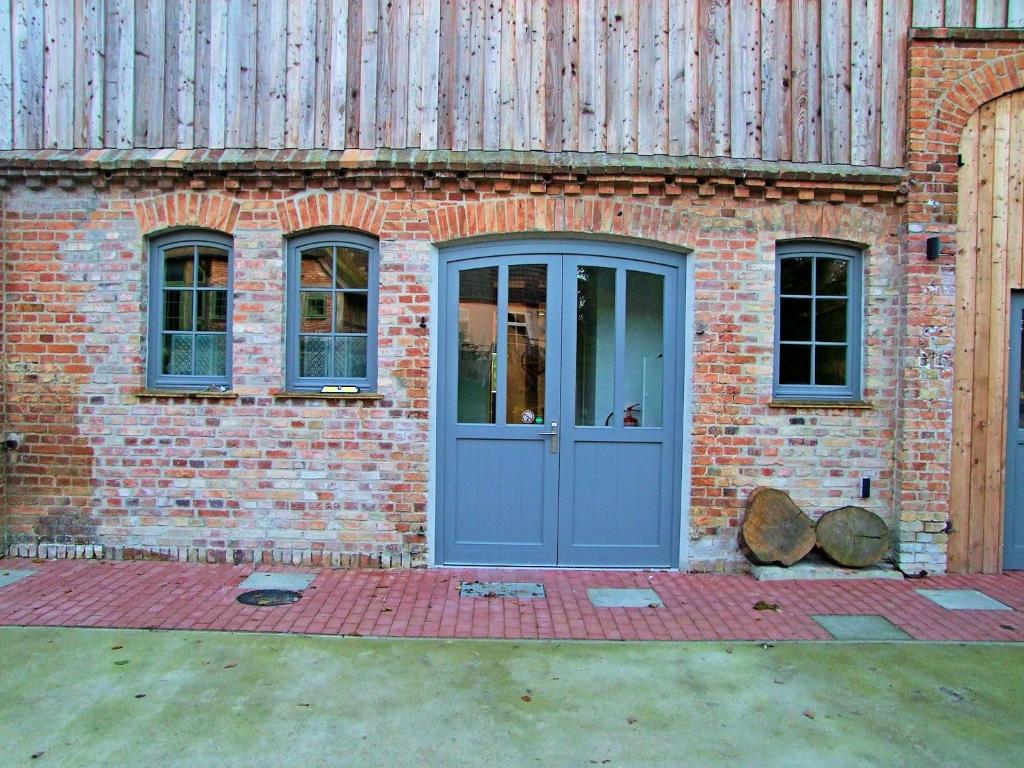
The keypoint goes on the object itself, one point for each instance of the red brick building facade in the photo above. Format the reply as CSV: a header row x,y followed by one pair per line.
x,y
110,466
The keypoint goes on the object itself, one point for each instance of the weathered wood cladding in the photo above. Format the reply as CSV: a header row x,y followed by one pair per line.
x,y
802,80
969,13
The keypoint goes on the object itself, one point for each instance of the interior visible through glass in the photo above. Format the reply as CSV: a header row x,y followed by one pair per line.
x,y
527,344
478,345
645,358
595,346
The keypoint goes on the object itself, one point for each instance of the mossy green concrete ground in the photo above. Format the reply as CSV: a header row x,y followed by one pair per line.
x,y
76,697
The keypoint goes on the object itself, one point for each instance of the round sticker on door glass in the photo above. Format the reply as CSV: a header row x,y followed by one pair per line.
x,y
528,417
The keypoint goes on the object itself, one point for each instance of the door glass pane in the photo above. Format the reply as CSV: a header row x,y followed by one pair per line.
x,y
527,343
478,338
595,346
645,328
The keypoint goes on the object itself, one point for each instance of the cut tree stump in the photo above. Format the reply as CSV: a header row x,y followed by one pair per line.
x,y
775,529
853,536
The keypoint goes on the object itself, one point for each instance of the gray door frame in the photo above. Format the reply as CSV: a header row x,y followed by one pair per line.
x,y
1013,509
555,251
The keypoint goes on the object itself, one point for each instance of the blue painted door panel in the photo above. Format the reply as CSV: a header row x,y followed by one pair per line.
x,y
618,499
595,351
1013,539
499,479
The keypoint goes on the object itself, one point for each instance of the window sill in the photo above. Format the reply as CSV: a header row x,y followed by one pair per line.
x,y
314,395
200,394
849,405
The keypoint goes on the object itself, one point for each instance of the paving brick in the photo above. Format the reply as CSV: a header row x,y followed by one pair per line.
x,y
427,603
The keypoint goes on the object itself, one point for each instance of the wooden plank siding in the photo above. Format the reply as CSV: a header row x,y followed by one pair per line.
x,y
800,80
979,14
990,258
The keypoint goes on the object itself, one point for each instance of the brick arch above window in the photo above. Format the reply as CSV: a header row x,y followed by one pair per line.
x,y
474,218
861,226
193,210
316,210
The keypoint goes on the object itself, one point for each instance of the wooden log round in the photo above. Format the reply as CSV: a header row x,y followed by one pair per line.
x,y
853,536
775,529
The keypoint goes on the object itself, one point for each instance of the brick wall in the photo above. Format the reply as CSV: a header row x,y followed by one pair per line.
x,y
262,476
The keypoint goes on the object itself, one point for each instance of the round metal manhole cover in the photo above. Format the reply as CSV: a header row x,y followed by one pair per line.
x,y
267,597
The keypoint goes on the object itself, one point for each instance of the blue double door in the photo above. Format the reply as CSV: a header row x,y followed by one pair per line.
x,y
560,400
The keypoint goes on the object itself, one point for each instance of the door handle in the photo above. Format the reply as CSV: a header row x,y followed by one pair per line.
x,y
553,434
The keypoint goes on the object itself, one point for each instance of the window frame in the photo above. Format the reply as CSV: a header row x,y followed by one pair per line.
x,y
293,305
158,247
854,257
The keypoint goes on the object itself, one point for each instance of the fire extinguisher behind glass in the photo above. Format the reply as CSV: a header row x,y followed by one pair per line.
x,y
629,419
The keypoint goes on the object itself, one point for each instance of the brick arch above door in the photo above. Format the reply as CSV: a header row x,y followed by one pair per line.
x,y
518,215
990,264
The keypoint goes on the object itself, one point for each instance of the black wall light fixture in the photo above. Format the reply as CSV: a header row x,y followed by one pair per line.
x,y
932,248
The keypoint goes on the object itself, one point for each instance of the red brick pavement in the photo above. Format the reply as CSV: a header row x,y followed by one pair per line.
x,y
427,603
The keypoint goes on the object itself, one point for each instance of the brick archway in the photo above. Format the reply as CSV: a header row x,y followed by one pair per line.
x,y
980,85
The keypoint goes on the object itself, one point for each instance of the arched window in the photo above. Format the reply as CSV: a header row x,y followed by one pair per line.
x,y
817,321
332,312
190,311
